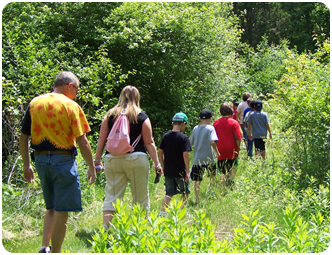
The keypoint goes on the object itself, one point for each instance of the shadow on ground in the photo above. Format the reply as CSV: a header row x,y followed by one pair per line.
x,y
85,236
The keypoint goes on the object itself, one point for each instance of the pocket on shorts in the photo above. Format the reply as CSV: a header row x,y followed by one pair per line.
x,y
41,160
132,161
137,161
67,173
131,158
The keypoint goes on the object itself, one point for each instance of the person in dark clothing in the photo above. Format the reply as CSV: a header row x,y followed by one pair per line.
x,y
174,158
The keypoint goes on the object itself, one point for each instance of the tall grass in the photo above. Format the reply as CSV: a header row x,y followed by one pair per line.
x,y
260,213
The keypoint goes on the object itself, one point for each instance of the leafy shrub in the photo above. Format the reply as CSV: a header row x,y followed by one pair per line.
x,y
264,66
302,102
298,236
30,64
135,232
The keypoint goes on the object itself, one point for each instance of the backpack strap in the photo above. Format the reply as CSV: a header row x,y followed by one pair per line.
x,y
135,143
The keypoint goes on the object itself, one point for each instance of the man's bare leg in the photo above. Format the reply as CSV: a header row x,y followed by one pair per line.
x,y
48,227
59,230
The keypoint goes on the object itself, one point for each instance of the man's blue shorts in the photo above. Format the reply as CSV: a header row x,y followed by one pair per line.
x,y
176,185
60,182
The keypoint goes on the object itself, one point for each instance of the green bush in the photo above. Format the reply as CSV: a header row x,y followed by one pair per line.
x,y
134,231
298,236
302,105
264,66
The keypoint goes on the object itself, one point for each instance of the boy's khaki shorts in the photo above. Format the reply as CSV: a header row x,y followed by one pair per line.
x,y
121,169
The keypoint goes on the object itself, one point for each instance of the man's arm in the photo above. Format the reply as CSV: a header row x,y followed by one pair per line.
x,y
85,149
186,159
28,173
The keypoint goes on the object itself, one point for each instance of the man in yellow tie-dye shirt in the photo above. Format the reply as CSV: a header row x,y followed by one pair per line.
x,y
55,123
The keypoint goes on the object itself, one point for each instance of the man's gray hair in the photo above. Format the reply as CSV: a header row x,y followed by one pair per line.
x,y
66,77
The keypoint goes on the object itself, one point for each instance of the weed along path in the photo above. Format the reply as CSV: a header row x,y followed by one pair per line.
x,y
256,206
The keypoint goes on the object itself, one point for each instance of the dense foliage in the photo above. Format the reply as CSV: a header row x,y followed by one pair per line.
x,y
297,22
169,50
303,99
178,51
185,57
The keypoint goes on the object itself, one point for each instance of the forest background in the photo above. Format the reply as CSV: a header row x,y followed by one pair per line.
x,y
182,57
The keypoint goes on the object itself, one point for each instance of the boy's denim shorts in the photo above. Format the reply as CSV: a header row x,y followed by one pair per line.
x,y
60,182
176,185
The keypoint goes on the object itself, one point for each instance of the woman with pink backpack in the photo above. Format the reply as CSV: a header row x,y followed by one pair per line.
x,y
125,161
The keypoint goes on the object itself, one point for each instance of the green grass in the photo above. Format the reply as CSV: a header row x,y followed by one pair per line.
x,y
223,209
257,187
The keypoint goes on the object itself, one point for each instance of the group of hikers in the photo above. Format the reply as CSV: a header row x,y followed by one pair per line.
x,y
55,124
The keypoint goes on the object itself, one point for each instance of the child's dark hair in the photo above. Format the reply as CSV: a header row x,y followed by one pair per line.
x,y
177,123
252,104
249,100
236,103
226,109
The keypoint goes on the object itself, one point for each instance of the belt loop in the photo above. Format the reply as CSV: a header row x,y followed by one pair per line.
x,y
49,156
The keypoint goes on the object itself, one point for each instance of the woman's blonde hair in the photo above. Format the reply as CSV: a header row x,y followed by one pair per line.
x,y
128,102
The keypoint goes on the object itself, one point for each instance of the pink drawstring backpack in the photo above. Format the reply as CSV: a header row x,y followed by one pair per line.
x,y
118,140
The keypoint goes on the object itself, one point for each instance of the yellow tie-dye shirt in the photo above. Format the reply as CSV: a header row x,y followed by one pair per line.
x,y
55,122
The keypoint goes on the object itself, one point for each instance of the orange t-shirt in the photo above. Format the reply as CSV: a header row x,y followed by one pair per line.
x,y
55,121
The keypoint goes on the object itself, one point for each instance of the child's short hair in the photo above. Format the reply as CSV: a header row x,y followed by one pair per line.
x,y
177,123
236,103
252,104
226,109
245,96
249,100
